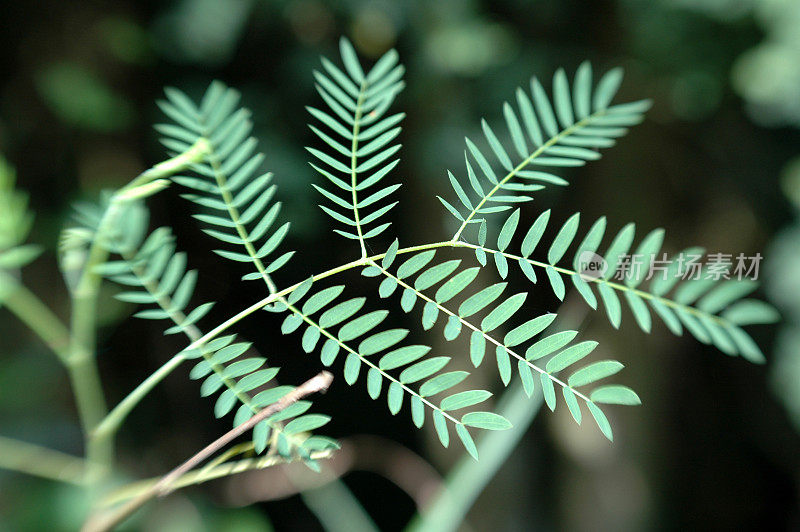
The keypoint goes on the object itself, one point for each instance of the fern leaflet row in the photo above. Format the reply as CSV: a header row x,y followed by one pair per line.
x,y
711,307
155,274
229,184
555,348
319,316
566,133
361,140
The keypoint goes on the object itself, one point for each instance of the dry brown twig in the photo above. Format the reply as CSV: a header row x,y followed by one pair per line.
x,y
102,522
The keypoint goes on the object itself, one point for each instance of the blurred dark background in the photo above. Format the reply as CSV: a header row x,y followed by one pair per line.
x,y
713,447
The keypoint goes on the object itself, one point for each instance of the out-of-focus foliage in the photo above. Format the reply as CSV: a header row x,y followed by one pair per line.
x,y
15,223
784,287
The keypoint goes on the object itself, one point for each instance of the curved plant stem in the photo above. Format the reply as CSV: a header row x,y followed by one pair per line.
x,y
354,165
203,475
42,462
81,363
114,419
36,315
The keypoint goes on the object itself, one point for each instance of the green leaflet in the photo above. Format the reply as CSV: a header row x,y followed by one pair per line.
x,y
590,242
394,397
435,274
563,239
440,424
502,264
572,404
352,367
750,311
430,312
503,364
442,382
306,423
417,411
616,395
548,391
526,376
381,341
618,247
391,253
528,330
556,282
486,420
322,298
503,312
452,329
648,250
481,299
594,372
456,284
415,263
601,420
535,233
508,230
726,293
402,356
639,310
374,382
477,348
611,302
467,441
423,370
341,312
549,344
362,325
464,399
569,356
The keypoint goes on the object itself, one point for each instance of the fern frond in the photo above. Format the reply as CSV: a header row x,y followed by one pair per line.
x,y
548,356
320,314
228,184
154,274
566,133
361,141
710,306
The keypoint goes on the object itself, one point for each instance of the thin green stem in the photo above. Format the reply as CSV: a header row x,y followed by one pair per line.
x,y
42,462
258,305
103,521
170,167
36,315
81,365
354,165
205,474
111,423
